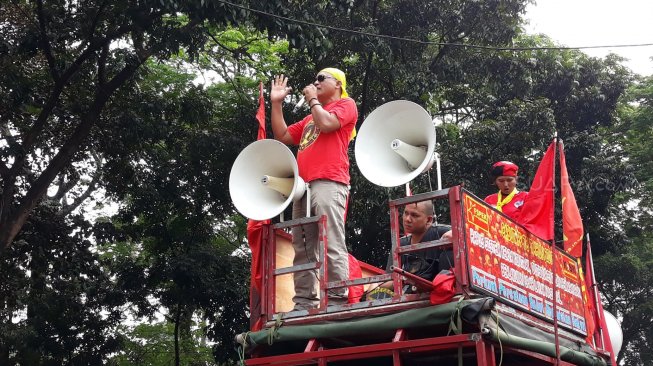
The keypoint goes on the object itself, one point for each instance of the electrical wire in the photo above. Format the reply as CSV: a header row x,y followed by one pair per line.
x,y
404,39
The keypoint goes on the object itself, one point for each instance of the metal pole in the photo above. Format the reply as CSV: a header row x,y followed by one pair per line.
x,y
394,239
308,200
554,250
595,290
438,171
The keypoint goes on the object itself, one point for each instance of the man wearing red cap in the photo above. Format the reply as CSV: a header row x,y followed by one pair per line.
x,y
323,138
508,200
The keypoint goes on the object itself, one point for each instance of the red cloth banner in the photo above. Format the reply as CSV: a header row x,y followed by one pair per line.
x,y
260,114
355,272
537,212
590,311
572,224
595,298
255,238
444,288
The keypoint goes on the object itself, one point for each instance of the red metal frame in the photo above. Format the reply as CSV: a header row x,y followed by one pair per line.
x,y
483,351
398,302
269,263
475,346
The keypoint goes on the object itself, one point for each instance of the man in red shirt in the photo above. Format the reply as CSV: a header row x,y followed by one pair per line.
x,y
508,200
323,138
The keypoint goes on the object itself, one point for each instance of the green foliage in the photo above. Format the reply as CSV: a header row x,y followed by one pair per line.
x,y
506,105
625,284
65,62
153,345
637,115
625,273
130,117
58,304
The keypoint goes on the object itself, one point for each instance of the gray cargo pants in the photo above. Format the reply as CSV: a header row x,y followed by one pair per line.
x,y
327,198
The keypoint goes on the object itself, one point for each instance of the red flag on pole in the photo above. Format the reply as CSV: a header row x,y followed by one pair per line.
x,y
355,272
537,212
572,224
260,114
598,306
255,238
588,300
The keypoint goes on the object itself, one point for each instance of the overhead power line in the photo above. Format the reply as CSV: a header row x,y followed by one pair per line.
x,y
462,45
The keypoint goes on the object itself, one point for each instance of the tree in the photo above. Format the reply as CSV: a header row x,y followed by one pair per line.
x,y
64,62
58,305
93,97
497,104
150,345
382,69
625,270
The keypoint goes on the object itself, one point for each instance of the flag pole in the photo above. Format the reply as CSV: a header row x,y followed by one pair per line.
x,y
554,251
603,334
599,338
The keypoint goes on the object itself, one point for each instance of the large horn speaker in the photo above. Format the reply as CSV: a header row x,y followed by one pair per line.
x,y
395,144
264,180
615,332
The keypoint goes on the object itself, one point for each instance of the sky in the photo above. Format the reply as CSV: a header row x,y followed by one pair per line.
x,y
596,23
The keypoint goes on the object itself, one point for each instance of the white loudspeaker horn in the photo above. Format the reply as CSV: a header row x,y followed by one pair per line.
x,y
264,180
615,332
395,144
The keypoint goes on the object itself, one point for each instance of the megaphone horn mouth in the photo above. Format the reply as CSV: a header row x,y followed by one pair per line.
x,y
414,155
281,185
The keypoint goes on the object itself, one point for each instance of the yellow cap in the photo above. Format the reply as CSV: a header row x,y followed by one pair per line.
x,y
340,76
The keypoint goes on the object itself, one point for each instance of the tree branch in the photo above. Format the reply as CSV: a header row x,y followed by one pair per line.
x,y
10,227
67,209
230,80
61,191
4,171
366,86
96,19
45,43
12,222
102,65
58,88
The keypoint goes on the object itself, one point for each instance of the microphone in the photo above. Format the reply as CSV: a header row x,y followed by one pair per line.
x,y
299,104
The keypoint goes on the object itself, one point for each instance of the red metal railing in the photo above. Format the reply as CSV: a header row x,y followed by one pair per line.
x,y
398,302
481,351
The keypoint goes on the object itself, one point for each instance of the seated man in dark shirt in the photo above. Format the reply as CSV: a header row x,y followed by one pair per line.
x,y
418,226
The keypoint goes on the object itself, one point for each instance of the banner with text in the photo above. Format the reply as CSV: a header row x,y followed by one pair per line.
x,y
515,267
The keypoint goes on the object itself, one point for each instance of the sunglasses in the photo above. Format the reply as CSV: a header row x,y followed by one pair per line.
x,y
320,78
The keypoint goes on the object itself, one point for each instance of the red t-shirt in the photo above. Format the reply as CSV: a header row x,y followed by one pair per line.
x,y
325,155
513,208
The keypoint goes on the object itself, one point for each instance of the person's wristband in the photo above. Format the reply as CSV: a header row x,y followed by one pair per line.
x,y
315,105
309,101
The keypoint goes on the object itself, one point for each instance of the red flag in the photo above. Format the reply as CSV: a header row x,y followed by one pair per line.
x,y
260,114
355,272
255,238
588,300
537,212
572,224
598,308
